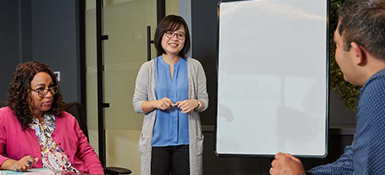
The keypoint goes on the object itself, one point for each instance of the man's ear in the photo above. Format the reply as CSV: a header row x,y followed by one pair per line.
x,y
358,53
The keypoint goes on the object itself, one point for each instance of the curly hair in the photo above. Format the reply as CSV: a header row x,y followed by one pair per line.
x,y
18,93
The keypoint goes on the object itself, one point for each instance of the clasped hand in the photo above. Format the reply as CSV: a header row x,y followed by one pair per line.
x,y
24,163
186,106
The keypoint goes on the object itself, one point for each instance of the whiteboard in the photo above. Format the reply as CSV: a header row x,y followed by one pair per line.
x,y
272,78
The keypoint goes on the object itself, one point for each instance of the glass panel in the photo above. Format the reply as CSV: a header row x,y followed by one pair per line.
x,y
91,77
125,51
172,7
125,22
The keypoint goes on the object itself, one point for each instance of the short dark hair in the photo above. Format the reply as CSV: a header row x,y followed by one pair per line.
x,y
18,95
363,22
171,23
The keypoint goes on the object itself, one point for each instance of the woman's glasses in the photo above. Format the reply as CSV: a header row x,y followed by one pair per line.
x,y
42,92
171,34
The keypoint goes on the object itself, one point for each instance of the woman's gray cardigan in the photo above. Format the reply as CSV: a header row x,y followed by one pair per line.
x,y
145,91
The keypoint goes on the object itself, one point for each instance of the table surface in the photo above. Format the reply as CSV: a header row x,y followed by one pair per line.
x,y
42,171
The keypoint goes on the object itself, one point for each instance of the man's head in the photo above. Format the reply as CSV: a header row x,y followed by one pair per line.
x,y
360,34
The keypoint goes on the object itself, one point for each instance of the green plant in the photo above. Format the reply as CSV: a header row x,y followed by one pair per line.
x,y
349,93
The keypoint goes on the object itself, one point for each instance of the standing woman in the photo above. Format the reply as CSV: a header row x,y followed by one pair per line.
x,y
171,91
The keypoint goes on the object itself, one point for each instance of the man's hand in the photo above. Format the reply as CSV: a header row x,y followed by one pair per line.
x,y
286,164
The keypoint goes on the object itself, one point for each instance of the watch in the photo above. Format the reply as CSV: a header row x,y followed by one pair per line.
x,y
199,105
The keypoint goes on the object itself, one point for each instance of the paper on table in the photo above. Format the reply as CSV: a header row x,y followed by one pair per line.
x,y
32,172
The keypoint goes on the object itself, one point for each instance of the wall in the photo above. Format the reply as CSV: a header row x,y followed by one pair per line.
x,y
204,36
185,12
55,41
45,31
9,44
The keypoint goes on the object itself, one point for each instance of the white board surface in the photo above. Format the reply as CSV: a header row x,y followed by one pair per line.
x,y
272,78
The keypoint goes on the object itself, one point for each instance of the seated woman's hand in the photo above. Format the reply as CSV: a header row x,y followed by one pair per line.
x,y
24,163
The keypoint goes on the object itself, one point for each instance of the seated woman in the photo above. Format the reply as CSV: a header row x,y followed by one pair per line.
x,y
35,132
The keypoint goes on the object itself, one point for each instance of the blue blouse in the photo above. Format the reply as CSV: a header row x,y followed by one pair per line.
x,y
366,154
171,125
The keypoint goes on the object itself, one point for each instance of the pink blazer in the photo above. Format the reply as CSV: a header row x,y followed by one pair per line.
x,y
16,143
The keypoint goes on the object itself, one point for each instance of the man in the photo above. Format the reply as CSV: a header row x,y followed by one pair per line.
x,y
360,52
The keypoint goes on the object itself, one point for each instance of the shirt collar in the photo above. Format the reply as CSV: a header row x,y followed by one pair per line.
x,y
379,74
48,118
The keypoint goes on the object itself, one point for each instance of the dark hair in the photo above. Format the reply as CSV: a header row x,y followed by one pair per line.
x,y
18,93
171,23
363,22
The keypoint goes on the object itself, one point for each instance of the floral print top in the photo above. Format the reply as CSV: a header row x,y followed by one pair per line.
x,y
53,157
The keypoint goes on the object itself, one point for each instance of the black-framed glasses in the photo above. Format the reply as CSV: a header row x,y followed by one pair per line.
x,y
171,34
42,92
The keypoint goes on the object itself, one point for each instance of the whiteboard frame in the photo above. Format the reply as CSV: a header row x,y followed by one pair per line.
x,y
327,106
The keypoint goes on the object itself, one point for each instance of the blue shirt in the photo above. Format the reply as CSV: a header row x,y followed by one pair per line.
x,y
171,125
366,154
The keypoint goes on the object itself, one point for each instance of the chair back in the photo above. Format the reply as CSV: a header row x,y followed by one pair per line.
x,y
77,110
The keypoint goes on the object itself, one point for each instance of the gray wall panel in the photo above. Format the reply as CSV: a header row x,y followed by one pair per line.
x,y
45,31
25,30
204,36
55,42
9,44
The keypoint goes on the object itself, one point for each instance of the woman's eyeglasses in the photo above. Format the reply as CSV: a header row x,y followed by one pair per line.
x,y
42,92
171,34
